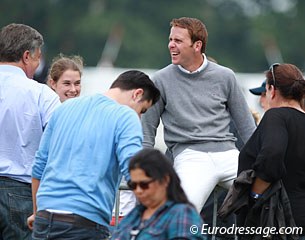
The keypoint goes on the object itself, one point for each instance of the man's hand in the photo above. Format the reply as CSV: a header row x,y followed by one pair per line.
x,y
30,221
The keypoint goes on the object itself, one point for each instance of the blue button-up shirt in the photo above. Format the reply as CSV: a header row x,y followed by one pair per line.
x,y
25,108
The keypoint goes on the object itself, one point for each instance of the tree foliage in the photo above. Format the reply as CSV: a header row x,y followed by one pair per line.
x,y
241,32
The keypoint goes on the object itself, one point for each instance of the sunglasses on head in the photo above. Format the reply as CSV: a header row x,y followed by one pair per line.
x,y
142,184
272,70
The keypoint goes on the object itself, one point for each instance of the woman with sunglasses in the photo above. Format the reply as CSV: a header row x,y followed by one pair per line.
x,y
276,150
164,211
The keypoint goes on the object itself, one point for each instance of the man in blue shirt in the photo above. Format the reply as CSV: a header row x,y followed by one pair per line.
x,y
82,156
25,109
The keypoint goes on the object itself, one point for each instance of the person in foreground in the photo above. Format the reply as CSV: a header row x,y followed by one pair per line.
x,y
198,100
83,153
164,211
25,109
276,149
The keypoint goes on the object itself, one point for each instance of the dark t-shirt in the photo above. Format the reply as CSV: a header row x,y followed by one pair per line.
x,y
276,151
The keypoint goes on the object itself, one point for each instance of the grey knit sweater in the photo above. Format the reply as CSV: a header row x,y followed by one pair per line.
x,y
196,110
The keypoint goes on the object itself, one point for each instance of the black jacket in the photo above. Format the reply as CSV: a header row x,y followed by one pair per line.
x,y
272,209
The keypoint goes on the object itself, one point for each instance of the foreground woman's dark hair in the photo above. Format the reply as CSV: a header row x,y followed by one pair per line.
x,y
157,166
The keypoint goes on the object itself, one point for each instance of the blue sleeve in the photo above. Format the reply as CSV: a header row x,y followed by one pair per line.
x,y
41,156
48,102
129,137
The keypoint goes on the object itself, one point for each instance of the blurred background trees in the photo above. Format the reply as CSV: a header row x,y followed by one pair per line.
x,y
245,35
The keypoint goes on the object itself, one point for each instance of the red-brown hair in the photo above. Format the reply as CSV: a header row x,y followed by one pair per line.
x,y
288,79
195,27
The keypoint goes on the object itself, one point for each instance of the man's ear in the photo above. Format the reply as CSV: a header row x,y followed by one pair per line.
x,y
137,94
198,45
26,57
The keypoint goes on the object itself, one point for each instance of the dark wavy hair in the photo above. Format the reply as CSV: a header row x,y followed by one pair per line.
x,y
133,79
157,166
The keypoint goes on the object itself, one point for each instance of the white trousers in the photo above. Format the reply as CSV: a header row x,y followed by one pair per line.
x,y
200,172
127,200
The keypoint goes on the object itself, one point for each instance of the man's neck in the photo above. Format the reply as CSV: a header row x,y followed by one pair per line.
x,y
118,95
199,64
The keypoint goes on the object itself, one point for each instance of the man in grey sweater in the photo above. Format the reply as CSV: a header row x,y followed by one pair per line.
x,y
198,99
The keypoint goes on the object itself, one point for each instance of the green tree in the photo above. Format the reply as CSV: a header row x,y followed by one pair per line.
x,y
240,31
